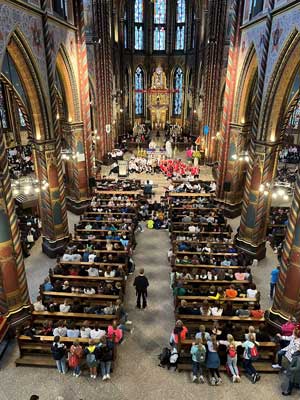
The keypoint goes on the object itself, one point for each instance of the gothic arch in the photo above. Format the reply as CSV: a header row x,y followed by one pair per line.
x,y
247,75
274,108
65,71
19,51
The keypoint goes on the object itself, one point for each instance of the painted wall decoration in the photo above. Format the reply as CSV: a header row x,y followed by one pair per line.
x,y
283,26
30,26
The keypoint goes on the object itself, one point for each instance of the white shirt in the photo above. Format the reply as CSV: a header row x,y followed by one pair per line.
x,y
86,333
38,306
60,331
92,257
67,257
97,334
93,271
251,293
64,308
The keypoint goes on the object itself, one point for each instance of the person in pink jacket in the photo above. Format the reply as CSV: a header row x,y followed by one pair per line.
x,y
114,332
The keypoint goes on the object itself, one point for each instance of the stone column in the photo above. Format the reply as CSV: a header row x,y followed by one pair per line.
x,y
213,64
14,298
257,198
52,199
231,180
77,186
84,88
103,66
287,298
230,141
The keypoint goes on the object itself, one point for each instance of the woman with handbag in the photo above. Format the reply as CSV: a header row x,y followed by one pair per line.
x,y
75,356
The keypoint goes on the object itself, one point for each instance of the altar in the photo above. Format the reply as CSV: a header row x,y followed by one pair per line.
x,y
158,100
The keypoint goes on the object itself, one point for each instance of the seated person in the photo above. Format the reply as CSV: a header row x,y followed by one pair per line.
x,y
72,331
64,307
216,309
184,308
243,312
66,287
240,275
231,292
47,285
205,308
252,291
38,305
93,271
60,329
257,312
229,275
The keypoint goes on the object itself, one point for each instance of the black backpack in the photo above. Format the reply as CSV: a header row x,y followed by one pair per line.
x,y
57,351
164,357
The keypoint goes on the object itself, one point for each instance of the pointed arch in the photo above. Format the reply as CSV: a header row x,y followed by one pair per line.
x,y
67,77
139,85
276,100
247,75
178,79
26,66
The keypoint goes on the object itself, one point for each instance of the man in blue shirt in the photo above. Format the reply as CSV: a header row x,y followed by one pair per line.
x,y
274,280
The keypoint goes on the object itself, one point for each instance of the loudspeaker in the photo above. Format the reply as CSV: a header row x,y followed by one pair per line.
x,y
227,186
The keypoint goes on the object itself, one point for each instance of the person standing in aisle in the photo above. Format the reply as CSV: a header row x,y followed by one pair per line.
x,y
141,284
274,280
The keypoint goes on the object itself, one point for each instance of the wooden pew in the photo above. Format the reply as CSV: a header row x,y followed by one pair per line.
x,y
37,352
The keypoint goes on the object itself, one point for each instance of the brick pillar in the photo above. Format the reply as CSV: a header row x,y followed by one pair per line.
x,y
77,186
257,198
14,298
52,201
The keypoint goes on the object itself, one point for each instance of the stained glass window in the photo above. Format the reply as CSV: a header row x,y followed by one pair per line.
x,y
180,11
294,122
160,11
22,119
179,38
180,24
125,30
3,111
178,86
138,24
160,19
139,95
138,11
159,38
138,37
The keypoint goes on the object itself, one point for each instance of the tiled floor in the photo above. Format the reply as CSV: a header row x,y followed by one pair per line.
x,y
137,375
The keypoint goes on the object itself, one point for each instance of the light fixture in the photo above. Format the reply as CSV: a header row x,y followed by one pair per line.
x,y
242,156
28,185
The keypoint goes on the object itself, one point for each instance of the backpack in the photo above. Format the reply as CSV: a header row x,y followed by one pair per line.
x,y
57,351
90,358
202,355
164,357
173,356
231,351
73,361
253,353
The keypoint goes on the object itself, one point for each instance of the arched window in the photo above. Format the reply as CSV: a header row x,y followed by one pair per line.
x,y
139,87
3,109
159,20
138,24
180,24
178,86
125,31
294,121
